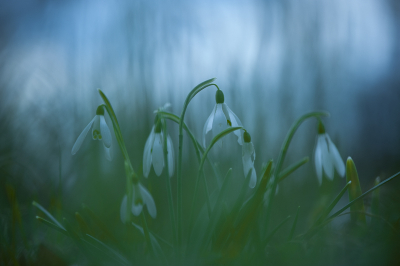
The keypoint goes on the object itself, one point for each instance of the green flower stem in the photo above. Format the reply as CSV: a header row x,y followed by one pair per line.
x,y
147,234
294,224
131,176
362,196
274,180
196,90
333,204
170,199
199,150
290,169
200,171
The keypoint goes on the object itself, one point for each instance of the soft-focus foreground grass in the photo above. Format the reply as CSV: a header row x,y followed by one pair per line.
x,y
226,224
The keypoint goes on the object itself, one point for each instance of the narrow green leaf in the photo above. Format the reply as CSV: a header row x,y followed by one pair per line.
x,y
105,248
290,169
54,226
40,207
157,248
362,196
333,204
98,222
217,209
358,208
294,224
221,135
269,237
375,202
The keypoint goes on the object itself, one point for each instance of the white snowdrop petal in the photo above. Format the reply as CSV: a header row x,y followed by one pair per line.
x,y
247,164
147,153
149,201
208,125
137,209
219,123
253,179
170,149
318,162
157,154
108,152
337,159
96,127
236,123
81,137
105,132
326,158
122,211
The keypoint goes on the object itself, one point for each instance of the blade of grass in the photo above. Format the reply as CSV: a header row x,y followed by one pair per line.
x,y
294,224
269,237
51,225
333,204
282,155
112,253
190,96
363,195
40,207
290,169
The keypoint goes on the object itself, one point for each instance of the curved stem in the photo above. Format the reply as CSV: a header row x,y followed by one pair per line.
x,y
196,90
170,199
200,171
275,178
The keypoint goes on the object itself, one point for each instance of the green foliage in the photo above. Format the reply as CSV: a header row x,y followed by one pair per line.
x,y
228,225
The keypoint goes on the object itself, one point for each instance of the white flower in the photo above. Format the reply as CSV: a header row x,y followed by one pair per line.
x,y
154,151
140,197
327,157
100,131
248,157
220,119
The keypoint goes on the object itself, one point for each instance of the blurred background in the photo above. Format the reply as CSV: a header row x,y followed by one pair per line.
x,y
274,60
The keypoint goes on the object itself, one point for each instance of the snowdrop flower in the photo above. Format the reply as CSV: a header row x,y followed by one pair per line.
x,y
220,119
326,156
153,153
100,131
140,197
248,157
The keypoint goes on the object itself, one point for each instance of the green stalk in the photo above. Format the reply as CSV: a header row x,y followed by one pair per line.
x,y
196,144
275,178
332,205
170,199
147,234
362,196
131,176
294,224
200,171
293,167
196,90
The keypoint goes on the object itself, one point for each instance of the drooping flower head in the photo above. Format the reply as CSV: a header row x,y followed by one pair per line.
x,y
153,153
140,197
248,157
100,131
220,119
326,156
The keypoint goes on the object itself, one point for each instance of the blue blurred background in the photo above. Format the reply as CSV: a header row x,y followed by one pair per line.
x,y
274,60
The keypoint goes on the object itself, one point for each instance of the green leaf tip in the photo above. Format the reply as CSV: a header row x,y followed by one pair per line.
x,y
354,192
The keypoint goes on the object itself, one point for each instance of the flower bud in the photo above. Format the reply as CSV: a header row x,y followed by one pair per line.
x,y
219,97
246,137
100,110
354,192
